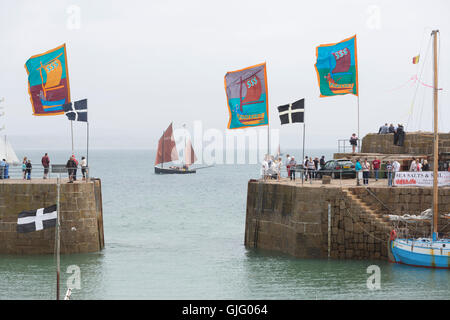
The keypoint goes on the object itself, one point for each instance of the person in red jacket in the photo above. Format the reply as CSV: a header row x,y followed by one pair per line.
x,y
46,164
376,166
75,168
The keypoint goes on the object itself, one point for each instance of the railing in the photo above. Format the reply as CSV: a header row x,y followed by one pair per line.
x,y
344,144
15,172
341,176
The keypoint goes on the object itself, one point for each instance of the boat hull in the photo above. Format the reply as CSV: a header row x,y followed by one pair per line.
x,y
159,170
419,253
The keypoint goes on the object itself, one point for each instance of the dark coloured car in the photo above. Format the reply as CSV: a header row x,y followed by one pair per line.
x,y
336,168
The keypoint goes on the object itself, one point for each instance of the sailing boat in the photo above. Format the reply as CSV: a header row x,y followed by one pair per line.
x,y
343,62
252,96
425,252
167,152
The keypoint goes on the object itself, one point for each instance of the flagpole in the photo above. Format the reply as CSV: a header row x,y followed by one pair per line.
x,y
71,131
359,142
87,150
58,267
303,149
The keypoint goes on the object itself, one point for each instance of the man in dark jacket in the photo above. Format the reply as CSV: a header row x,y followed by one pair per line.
x,y
71,167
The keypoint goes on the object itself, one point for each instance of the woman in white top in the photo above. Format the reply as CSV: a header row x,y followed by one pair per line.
x,y
83,167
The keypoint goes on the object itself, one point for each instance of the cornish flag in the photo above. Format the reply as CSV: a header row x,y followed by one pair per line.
x,y
36,220
76,111
293,112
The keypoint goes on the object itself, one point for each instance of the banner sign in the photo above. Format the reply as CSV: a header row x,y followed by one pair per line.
x,y
421,179
48,82
337,68
246,91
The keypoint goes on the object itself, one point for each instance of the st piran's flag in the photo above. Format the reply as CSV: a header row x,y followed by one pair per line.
x,y
76,111
293,112
36,220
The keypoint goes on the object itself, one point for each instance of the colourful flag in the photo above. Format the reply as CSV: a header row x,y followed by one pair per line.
x,y
416,59
337,68
246,91
48,81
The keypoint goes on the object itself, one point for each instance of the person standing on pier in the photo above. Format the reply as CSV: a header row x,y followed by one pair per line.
x,y
71,165
24,168
288,159
46,164
83,167
75,168
322,162
292,165
358,169
354,142
28,169
366,170
413,166
2,169
389,169
376,166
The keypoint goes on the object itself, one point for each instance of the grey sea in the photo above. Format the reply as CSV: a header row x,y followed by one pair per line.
x,y
182,237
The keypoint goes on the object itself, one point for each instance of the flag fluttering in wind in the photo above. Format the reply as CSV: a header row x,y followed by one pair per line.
x,y
48,81
246,91
337,68
76,111
415,60
35,220
293,112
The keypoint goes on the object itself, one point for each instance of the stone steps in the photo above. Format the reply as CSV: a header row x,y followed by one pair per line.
x,y
372,215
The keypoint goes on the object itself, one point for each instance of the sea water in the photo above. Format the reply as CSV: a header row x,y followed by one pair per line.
x,y
182,237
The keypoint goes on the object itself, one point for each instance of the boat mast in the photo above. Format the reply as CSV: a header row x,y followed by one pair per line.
x,y
435,138
162,151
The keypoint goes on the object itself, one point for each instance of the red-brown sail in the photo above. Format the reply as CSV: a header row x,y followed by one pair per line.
x,y
254,90
189,154
343,60
167,150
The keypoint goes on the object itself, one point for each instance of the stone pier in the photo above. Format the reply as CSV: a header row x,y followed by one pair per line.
x,y
290,218
81,216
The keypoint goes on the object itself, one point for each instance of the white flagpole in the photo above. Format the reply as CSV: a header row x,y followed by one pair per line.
x,y
87,150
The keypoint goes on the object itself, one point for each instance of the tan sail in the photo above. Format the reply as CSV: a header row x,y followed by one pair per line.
x,y
167,150
189,154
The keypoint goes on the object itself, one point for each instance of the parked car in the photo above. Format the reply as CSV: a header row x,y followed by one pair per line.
x,y
335,168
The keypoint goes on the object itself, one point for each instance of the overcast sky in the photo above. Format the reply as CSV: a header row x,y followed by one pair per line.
x,y
143,64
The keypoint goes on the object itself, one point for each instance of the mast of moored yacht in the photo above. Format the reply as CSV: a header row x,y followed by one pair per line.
x,y
435,138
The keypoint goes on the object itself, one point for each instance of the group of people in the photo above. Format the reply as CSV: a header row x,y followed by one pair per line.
x,y
399,133
363,169
71,165
271,167
419,165
4,169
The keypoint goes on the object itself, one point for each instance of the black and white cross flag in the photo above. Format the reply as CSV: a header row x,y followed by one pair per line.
x,y
36,220
293,112
76,111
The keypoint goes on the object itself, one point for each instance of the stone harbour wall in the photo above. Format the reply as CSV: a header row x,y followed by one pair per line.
x,y
294,219
415,143
81,215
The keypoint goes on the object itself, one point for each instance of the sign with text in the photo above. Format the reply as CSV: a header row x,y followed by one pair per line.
x,y
421,179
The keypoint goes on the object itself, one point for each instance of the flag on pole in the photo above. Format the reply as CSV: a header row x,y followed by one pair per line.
x,y
415,60
337,68
76,111
246,91
48,81
291,113
35,220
